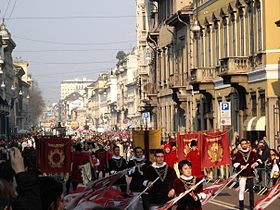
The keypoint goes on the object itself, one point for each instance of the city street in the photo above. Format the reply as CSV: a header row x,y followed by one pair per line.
x,y
228,199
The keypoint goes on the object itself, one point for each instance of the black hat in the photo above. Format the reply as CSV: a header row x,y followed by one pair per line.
x,y
193,143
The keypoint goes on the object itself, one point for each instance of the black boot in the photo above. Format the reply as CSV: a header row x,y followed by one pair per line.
x,y
241,205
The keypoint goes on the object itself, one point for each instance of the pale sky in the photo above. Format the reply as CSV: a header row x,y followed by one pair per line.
x,y
59,45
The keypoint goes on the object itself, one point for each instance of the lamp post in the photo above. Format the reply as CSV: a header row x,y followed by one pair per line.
x,y
147,108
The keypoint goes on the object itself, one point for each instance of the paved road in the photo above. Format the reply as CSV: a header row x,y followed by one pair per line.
x,y
228,199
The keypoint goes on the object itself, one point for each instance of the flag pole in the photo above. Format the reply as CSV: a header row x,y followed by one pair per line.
x,y
175,200
136,198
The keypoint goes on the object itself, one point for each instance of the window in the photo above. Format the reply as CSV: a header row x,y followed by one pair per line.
x,y
196,47
251,26
254,104
202,47
225,37
262,103
242,33
232,18
217,42
209,46
259,25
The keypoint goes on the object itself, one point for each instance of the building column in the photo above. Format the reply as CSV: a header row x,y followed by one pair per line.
x,y
272,121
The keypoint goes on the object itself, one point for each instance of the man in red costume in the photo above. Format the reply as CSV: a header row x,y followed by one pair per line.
x,y
195,157
170,156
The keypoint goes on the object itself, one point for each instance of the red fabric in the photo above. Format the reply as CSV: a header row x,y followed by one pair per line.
x,y
54,155
184,142
215,149
170,158
195,158
167,146
269,197
78,160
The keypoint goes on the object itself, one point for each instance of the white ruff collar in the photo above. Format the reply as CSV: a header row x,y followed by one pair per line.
x,y
245,150
186,178
116,157
139,159
157,166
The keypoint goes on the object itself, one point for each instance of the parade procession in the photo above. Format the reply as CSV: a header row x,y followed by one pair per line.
x,y
140,105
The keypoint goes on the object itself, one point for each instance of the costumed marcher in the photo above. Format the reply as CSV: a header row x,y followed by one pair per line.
x,y
79,159
186,181
101,155
138,164
94,166
243,157
195,158
116,164
170,156
158,191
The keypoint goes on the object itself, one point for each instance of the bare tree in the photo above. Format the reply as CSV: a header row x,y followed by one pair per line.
x,y
36,104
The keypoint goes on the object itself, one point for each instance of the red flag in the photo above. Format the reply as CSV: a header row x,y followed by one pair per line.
x,y
270,196
215,147
172,202
213,190
54,154
183,144
94,190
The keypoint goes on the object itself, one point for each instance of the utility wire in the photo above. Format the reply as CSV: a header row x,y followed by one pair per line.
x,y
66,63
12,10
69,50
69,72
72,43
71,17
7,7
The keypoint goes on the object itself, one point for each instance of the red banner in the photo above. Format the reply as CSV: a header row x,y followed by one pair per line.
x,y
184,144
215,149
214,145
54,155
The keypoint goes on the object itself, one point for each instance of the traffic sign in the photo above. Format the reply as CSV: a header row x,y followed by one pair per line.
x,y
146,115
125,120
225,111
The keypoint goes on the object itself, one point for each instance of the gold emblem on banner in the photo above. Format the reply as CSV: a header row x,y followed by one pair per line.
x,y
187,148
56,158
215,152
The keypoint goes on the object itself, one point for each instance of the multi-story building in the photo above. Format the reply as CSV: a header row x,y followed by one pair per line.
x,y
7,75
215,51
70,86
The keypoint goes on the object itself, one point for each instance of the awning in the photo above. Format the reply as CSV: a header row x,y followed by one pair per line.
x,y
255,124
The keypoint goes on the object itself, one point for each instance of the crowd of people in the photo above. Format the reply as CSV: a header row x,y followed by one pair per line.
x,y
22,186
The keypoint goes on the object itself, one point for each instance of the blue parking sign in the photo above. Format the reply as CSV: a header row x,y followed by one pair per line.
x,y
225,106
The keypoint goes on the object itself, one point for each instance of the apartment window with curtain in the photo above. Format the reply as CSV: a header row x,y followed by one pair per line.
x,y
259,25
202,47
225,37
217,42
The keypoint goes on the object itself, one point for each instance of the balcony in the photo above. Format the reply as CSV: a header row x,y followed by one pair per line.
x,y
175,81
234,69
202,78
